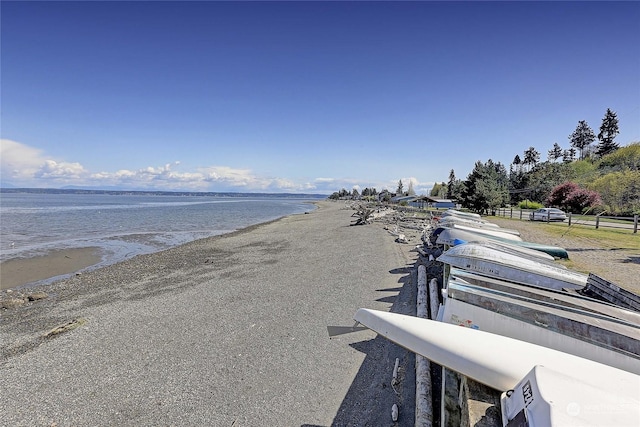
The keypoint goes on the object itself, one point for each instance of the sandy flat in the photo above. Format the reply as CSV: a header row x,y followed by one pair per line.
x,y
17,272
226,331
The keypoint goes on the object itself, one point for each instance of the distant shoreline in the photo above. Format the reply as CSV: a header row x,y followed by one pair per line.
x,y
120,192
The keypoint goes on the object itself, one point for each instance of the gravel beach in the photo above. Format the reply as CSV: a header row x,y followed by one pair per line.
x,y
225,331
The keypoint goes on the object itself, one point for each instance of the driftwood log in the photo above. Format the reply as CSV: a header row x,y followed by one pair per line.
x,y
362,215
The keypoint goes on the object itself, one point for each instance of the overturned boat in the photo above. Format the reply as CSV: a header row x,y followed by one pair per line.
x,y
445,221
455,236
540,386
445,239
491,262
571,330
503,233
460,214
568,300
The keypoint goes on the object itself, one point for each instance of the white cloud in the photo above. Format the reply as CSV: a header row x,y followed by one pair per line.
x,y
19,162
26,166
51,169
245,179
324,180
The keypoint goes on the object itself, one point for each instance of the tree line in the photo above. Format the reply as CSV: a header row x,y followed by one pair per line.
x,y
583,178
603,178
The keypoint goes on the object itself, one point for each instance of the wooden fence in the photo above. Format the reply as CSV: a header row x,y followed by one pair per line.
x,y
627,223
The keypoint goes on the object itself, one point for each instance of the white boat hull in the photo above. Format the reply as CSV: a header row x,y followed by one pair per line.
x,y
500,232
575,332
501,265
569,300
453,212
456,236
468,222
450,237
502,362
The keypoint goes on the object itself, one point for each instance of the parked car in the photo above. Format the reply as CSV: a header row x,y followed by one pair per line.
x,y
547,214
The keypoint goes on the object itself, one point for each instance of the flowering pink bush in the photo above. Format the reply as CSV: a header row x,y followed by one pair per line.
x,y
581,199
572,197
560,193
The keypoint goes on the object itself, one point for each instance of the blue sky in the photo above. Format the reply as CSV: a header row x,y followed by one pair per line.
x,y
303,96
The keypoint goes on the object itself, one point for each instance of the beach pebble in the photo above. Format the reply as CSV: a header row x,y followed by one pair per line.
x,y
37,296
12,302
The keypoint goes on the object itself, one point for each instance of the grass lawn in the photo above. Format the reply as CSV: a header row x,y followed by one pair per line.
x,y
607,237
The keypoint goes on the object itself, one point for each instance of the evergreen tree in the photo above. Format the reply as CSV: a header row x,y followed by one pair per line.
x,y
608,131
451,184
555,153
369,192
582,137
518,180
486,187
569,155
531,157
400,189
516,165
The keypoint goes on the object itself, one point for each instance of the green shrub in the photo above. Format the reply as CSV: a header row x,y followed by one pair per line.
x,y
528,204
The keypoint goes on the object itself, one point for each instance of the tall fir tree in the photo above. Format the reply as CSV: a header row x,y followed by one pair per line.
x,y
608,131
451,184
582,137
531,157
569,155
555,153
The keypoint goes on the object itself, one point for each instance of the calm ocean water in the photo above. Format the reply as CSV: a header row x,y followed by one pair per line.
x,y
127,225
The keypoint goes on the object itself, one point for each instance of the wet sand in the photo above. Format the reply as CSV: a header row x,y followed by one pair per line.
x,y
22,271
230,330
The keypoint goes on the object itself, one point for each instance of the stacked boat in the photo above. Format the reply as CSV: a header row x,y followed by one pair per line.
x,y
540,341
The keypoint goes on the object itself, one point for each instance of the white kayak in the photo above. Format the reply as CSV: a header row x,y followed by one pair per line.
x,y
566,389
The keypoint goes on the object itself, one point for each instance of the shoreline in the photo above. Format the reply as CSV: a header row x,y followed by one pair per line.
x,y
60,264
